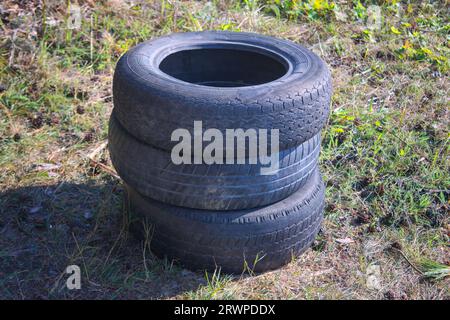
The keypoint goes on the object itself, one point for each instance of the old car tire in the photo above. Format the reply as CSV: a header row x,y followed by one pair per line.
x,y
224,79
258,239
215,187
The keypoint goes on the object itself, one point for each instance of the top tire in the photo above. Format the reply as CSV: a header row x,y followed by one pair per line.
x,y
227,80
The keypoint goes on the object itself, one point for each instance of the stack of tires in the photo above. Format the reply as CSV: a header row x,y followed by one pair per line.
x,y
229,215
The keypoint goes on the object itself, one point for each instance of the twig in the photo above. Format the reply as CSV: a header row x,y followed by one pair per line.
x,y
91,156
97,150
407,260
437,190
91,41
242,22
107,169
13,48
320,46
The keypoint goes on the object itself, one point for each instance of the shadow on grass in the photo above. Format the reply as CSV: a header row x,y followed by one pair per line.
x,y
44,229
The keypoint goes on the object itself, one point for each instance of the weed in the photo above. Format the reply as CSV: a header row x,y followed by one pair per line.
x,y
384,153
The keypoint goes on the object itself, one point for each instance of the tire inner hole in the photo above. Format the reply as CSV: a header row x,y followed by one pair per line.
x,y
217,67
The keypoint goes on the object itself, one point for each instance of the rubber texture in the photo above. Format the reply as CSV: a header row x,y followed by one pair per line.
x,y
233,240
214,187
150,104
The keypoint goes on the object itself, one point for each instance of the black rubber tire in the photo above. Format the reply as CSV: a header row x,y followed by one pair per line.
x,y
150,104
201,186
201,239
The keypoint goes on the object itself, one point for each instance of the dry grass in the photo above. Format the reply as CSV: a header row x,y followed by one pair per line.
x,y
385,153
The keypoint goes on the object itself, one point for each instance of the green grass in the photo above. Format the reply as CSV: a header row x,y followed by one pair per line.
x,y
215,288
385,155
434,270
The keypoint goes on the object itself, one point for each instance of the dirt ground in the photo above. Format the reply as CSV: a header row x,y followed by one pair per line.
x,y
384,156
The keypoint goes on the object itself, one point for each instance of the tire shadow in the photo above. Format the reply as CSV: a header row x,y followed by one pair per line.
x,y
46,228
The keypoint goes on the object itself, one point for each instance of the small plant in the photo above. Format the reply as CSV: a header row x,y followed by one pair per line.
x,y
359,11
293,9
249,269
434,270
251,5
214,287
229,27
416,52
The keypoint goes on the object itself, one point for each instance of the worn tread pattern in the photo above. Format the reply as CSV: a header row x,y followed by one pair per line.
x,y
202,239
151,107
201,186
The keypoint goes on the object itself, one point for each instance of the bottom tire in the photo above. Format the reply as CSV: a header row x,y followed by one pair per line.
x,y
257,239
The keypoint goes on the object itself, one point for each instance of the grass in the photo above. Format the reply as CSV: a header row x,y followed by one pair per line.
x,y
434,270
385,155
